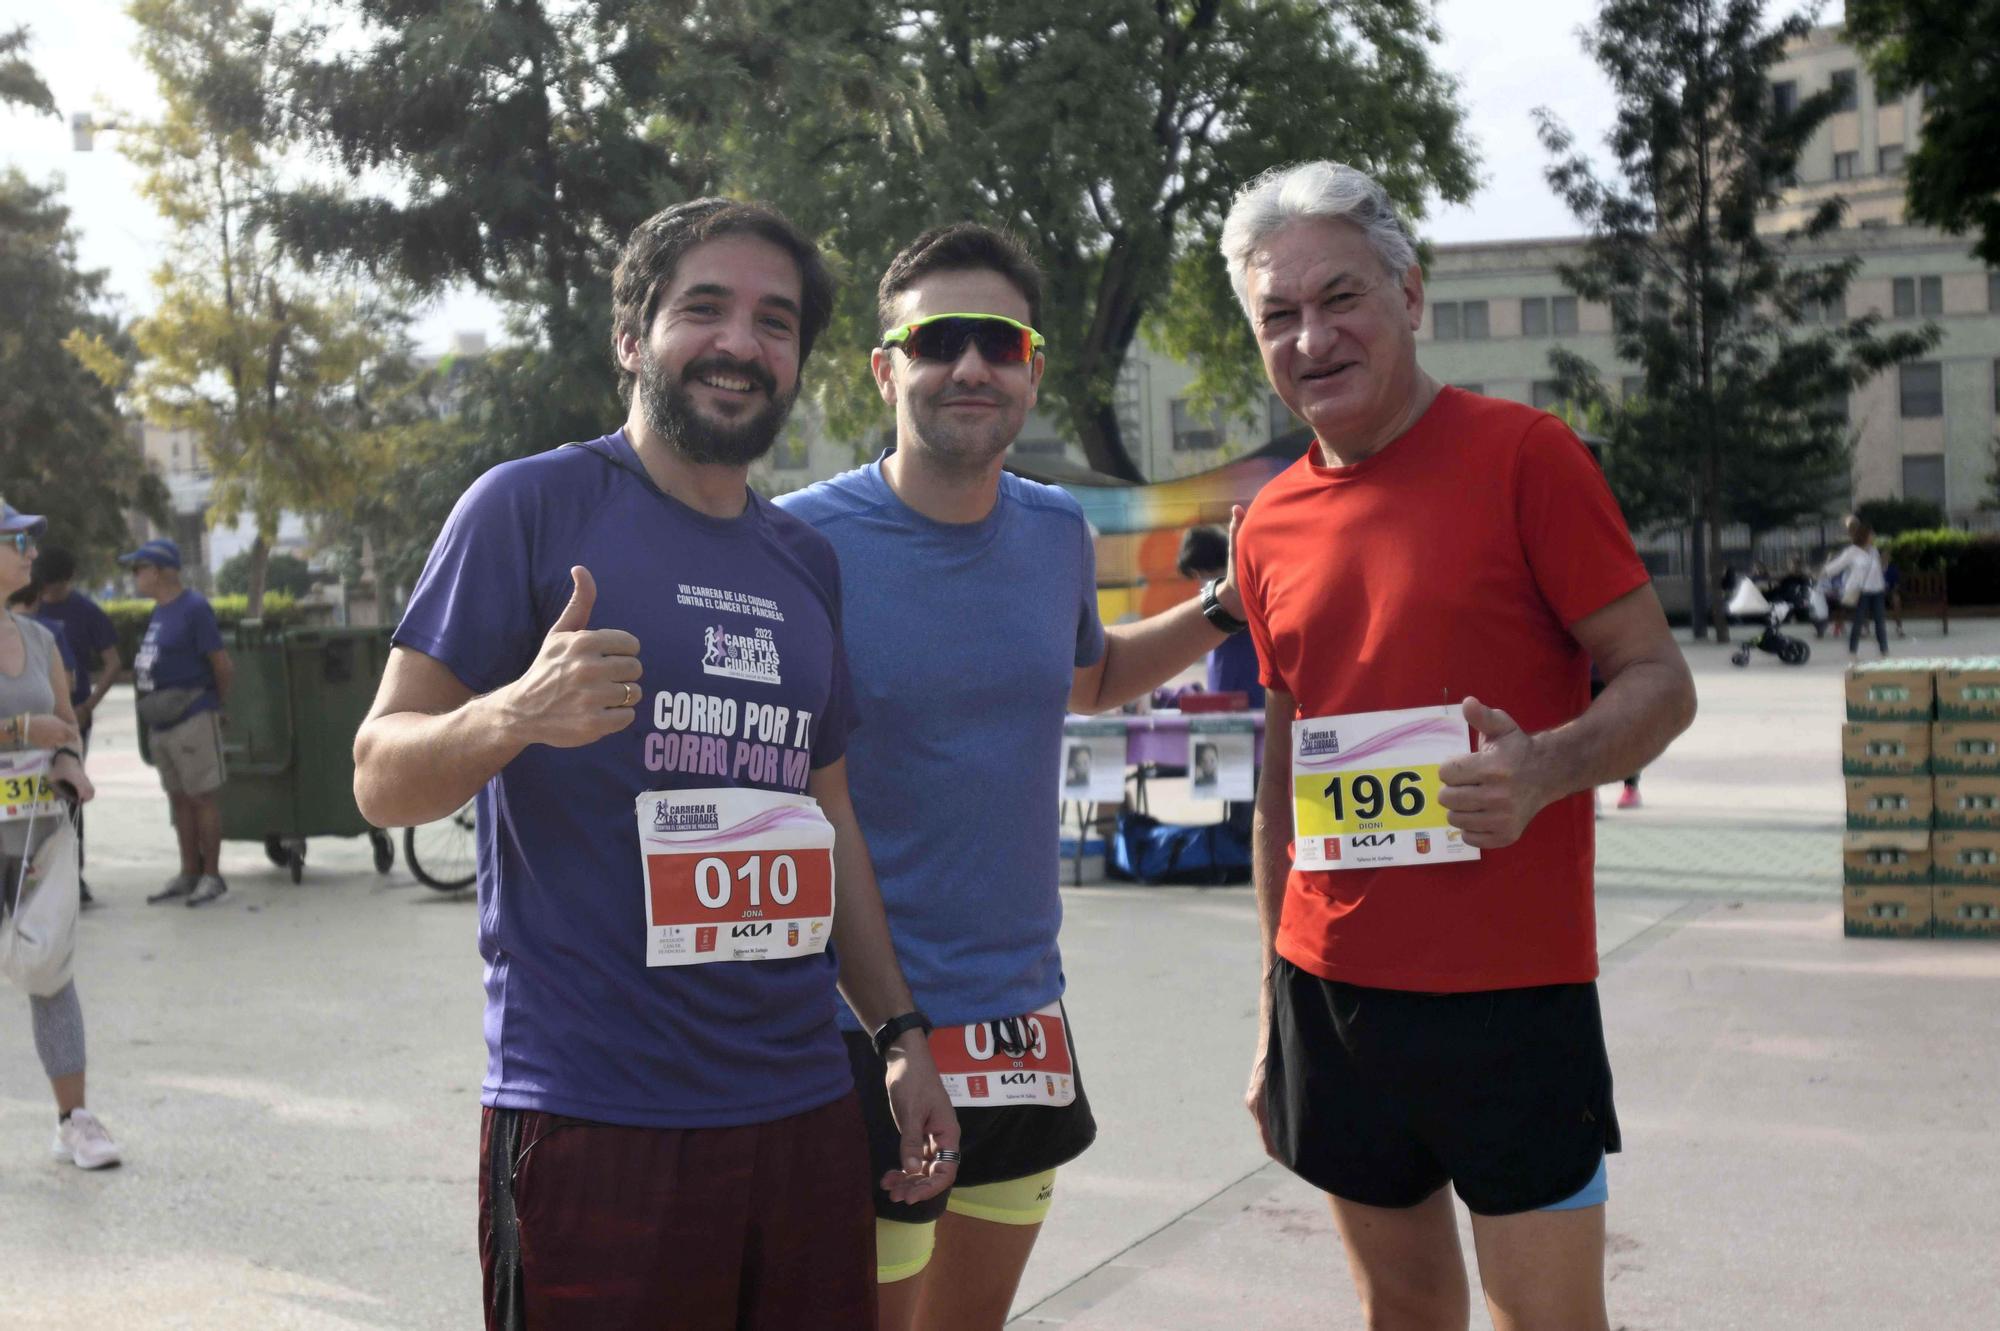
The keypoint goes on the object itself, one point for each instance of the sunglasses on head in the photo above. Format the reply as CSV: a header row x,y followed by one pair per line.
x,y
21,541
944,337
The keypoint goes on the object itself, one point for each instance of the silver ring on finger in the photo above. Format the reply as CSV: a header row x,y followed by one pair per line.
x,y
945,1153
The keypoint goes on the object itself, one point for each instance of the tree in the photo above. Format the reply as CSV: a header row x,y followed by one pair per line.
x,y
1953,53
244,348
64,451
283,573
528,139
1742,393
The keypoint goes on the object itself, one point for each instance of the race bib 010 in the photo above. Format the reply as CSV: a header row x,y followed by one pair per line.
x,y
25,790
734,875
1011,1061
1365,788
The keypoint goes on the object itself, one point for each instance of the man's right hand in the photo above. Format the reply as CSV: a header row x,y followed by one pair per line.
x,y
584,683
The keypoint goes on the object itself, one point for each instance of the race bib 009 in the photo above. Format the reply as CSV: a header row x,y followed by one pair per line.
x,y
734,875
1011,1061
1365,788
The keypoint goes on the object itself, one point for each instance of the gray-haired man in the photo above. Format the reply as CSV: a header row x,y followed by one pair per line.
x,y
1429,1009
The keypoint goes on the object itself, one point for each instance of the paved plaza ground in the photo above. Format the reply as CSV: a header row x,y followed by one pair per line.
x,y
1809,1121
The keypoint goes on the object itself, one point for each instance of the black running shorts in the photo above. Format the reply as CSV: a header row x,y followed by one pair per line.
x,y
1381,1096
1009,1142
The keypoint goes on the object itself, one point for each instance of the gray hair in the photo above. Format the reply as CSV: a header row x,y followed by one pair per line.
x,y
1307,190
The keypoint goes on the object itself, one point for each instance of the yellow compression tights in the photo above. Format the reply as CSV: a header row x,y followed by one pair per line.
x,y
902,1250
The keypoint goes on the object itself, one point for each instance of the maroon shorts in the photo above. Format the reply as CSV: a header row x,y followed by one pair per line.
x,y
761,1228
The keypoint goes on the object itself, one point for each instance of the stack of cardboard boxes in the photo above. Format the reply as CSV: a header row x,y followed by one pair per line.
x,y
1921,756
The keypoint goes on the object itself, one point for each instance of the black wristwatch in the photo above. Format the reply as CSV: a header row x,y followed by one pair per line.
x,y
1212,609
893,1029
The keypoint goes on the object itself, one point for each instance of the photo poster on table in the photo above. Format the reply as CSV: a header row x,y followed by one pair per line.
x,y
1093,762
1221,760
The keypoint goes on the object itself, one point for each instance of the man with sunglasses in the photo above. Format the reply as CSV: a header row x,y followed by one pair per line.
x,y
972,626
635,664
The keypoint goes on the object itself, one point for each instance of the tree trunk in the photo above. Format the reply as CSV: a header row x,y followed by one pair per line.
x,y
1698,597
260,562
1103,441
1711,504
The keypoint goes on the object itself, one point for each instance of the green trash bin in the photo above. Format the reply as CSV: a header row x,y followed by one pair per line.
x,y
288,738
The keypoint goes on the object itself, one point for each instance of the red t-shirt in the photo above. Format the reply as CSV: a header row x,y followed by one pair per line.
x,y
1450,563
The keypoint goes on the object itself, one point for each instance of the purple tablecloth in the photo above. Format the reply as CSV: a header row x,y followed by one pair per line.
x,y
1160,738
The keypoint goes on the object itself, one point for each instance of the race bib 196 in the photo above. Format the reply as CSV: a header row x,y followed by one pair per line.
x,y
25,791
1365,787
734,875
1012,1061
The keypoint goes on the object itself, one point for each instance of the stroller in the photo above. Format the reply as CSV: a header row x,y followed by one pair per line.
x,y
1747,602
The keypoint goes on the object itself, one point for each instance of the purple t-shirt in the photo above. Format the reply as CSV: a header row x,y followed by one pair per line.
x,y
741,611
174,653
89,631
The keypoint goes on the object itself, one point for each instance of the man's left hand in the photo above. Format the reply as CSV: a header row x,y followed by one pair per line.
x,y
1226,593
924,1116
83,711
1494,792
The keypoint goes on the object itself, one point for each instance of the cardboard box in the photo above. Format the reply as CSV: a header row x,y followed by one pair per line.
x,y
1965,912
1888,803
1886,859
1965,746
1887,912
1971,802
1961,858
1889,691
1885,748
1968,690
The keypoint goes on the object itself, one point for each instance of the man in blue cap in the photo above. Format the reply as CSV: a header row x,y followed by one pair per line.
x,y
183,675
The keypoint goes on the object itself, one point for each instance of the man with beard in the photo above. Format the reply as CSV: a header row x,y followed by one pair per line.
x,y
670,1129
972,624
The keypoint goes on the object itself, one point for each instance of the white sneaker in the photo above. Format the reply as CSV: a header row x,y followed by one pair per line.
x,y
82,1140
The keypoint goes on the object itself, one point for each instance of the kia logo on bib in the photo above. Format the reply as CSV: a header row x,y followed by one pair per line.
x,y
1376,839
751,930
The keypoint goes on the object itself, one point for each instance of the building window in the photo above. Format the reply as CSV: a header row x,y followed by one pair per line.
x,y
1889,160
1785,97
1846,165
1282,421
1923,477
1846,90
1922,389
1481,388
1047,447
1535,316
1917,295
1631,386
1458,320
1562,313
1993,292
1545,393
1192,433
1832,310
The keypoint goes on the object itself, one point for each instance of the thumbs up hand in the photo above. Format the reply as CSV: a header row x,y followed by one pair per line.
x,y
584,683
1493,792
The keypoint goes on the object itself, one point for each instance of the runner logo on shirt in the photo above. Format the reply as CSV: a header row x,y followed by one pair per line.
x,y
752,656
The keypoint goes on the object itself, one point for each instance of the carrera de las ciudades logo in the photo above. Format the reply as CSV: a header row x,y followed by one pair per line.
x,y
752,656
1319,743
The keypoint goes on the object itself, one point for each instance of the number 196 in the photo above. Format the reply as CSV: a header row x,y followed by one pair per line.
x,y
1404,795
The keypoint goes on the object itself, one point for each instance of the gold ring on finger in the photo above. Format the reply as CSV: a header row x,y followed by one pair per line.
x,y
633,694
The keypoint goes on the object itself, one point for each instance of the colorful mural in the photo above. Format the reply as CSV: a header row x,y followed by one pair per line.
x,y
1139,526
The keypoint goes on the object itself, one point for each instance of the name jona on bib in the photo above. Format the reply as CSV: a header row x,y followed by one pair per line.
x,y
734,875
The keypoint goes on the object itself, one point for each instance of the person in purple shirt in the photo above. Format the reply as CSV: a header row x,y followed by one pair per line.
x,y
670,1131
93,641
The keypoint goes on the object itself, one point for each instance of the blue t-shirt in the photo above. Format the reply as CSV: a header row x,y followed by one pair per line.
x,y
174,653
63,648
739,611
963,639
1232,668
89,630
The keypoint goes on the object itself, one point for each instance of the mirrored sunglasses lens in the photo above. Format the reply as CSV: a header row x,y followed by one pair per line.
x,y
945,339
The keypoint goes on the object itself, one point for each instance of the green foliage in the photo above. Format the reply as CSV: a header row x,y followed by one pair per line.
x,y
129,616
282,573
20,85
1952,52
1893,516
1742,415
1929,548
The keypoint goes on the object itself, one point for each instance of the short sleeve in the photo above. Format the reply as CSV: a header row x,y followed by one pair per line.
x,y
839,716
475,608
1251,591
1577,544
1089,627
206,631
98,632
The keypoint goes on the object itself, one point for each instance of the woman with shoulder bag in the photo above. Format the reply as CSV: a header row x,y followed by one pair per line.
x,y
35,719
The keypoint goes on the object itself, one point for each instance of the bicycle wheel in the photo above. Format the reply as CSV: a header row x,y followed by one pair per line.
x,y
441,854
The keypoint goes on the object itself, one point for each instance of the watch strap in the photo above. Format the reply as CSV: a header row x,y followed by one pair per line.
x,y
1215,613
896,1027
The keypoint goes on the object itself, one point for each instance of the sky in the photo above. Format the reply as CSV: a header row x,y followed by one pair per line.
x,y
1508,58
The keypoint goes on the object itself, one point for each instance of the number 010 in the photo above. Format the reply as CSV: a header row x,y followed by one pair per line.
x,y
1404,794
711,880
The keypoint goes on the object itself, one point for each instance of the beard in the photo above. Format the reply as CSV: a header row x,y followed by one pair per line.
x,y
670,410
963,446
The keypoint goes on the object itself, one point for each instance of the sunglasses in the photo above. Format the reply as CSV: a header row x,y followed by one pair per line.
x,y
944,337
21,541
